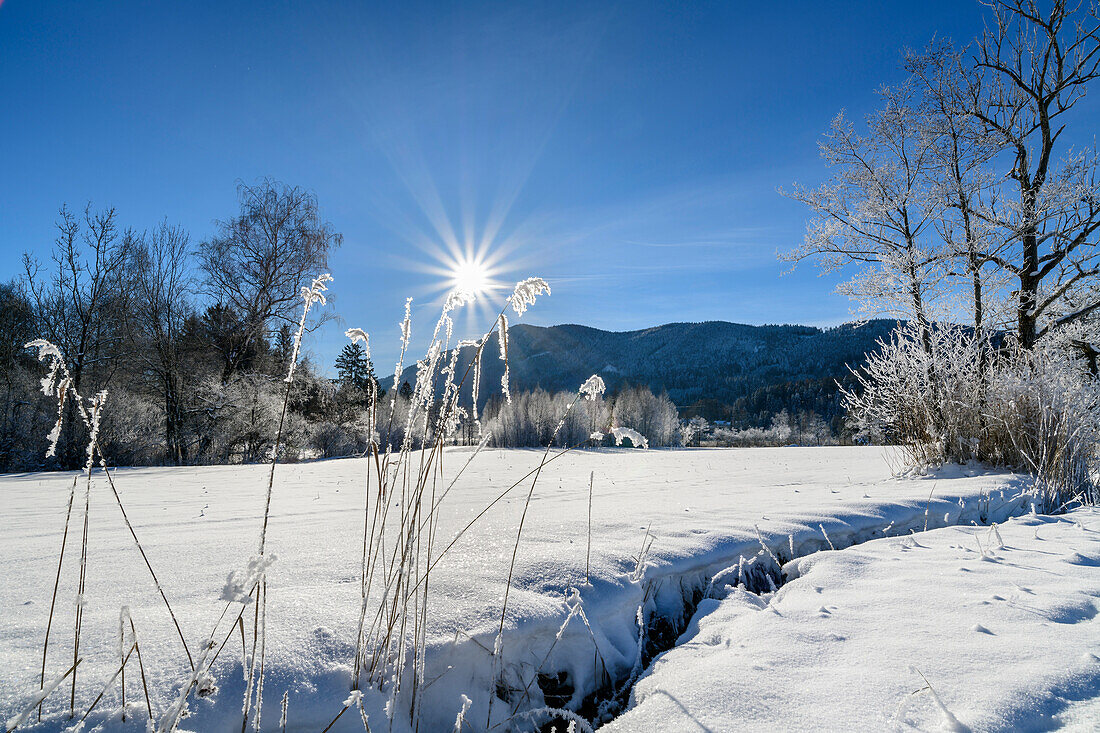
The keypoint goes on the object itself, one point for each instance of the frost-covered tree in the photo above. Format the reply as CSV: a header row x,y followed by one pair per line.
x,y
530,418
1030,69
960,183
654,416
991,196
874,212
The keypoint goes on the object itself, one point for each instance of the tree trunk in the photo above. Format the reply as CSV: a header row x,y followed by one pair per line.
x,y
1029,295
1029,273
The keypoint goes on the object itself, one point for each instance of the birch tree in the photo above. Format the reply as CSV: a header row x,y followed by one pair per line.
x,y
257,262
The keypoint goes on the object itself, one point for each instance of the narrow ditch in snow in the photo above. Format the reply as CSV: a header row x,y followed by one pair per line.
x,y
671,602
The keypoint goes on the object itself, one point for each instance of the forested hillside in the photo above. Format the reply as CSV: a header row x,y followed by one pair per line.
x,y
717,370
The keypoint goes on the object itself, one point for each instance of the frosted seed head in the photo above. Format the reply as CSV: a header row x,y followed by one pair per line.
x,y
593,387
358,334
525,293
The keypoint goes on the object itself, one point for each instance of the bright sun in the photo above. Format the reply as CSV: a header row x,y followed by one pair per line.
x,y
470,276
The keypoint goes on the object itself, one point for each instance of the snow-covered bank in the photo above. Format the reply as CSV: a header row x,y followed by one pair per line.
x,y
702,506
1001,624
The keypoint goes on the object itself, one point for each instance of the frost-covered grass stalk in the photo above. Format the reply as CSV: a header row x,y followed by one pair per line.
x,y
404,492
591,389
314,294
56,583
141,666
405,498
123,614
588,552
59,384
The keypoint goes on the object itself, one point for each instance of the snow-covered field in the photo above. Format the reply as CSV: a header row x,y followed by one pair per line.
x,y
962,628
702,507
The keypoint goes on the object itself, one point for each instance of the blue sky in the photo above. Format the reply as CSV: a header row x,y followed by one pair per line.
x,y
629,153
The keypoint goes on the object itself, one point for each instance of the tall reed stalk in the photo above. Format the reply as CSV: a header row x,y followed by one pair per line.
x,y
59,384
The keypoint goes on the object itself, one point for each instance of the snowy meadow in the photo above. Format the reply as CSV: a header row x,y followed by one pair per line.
x,y
698,516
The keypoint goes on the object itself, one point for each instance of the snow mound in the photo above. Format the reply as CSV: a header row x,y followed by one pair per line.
x,y
885,637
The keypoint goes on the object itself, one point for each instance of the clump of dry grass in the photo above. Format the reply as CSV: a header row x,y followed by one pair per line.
x,y
59,384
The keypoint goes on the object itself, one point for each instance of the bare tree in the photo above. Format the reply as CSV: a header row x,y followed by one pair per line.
x,y
874,212
258,262
163,283
82,302
1031,68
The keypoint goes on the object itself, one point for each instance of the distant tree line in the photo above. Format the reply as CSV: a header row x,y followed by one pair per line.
x,y
783,428
191,340
818,399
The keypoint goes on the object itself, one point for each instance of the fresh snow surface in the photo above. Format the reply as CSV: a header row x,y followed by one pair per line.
x,y
956,629
198,524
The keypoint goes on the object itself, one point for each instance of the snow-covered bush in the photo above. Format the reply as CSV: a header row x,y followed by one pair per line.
x,y
1046,419
654,416
957,398
929,400
328,439
691,431
240,418
132,432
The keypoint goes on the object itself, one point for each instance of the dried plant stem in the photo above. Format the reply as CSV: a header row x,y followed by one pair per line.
x,y
928,506
149,565
311,295
498,649
340,714
80,592
120,670
247,706
15,722
141,669
53,597
274,461
121,631
588,555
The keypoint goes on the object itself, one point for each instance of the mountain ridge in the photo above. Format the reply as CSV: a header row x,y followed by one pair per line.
x,y
716,361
